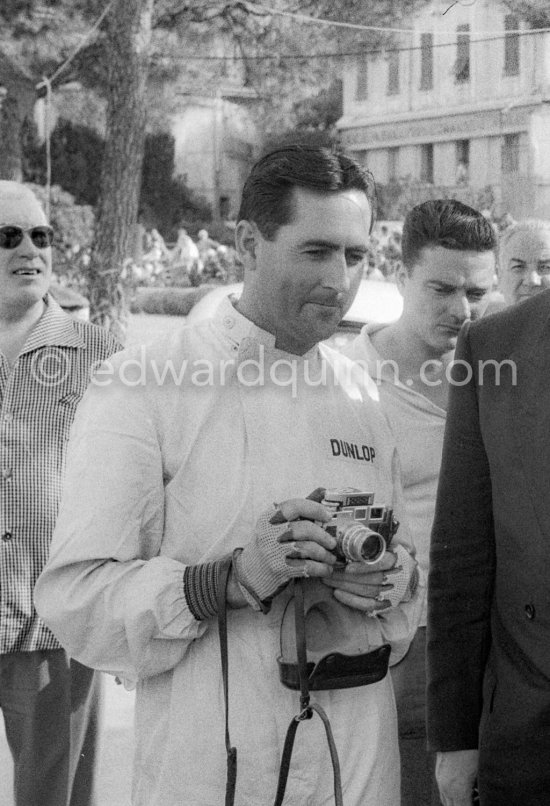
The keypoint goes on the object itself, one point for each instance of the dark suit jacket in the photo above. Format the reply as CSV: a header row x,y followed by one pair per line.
x,y
489,583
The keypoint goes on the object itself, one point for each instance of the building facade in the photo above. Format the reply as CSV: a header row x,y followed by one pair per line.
x,y
462,100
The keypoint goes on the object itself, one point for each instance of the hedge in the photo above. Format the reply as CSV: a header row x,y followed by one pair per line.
x,y
167,301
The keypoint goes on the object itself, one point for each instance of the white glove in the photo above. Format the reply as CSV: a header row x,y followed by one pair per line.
x,y
403,577
287,543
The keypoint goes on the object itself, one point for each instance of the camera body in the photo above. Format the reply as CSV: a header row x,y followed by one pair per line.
x,y
363,530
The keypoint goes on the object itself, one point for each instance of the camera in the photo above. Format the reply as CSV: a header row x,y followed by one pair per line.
x,y
363,530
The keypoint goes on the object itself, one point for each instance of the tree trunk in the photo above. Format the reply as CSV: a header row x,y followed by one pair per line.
x,y
129,37
10,140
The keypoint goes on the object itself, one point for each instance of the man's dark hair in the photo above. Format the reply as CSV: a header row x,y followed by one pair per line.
x,y
448,223
268,192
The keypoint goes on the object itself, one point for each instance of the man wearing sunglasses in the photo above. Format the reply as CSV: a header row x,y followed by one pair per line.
x,y
48,701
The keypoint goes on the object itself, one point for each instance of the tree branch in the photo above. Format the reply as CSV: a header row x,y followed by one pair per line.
x,y
190,12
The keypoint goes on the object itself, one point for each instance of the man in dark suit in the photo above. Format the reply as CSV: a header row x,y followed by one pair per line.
x,y
489,590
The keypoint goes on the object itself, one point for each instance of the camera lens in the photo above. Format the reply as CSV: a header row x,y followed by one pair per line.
x,y
360,544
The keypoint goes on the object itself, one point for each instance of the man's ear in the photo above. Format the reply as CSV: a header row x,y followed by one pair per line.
x,y
401,277
246,243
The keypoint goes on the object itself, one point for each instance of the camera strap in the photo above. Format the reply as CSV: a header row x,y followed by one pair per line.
x,y
231,779
306,707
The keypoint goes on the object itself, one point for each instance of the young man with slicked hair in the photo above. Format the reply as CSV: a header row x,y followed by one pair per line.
x,y
447,273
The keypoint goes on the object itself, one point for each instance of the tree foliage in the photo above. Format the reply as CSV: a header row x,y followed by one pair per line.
x,y
77,156
396,198
161,43
202,44
320,112
165,200
74,230
76,159
536,12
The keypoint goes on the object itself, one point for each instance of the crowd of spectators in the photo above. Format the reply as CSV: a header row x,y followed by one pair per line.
x,y
187,262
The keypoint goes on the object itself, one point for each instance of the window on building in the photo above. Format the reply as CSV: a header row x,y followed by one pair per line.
x,y
462,162
426,61
462,64
393,164
427,163
510,154
361,86
511,45
393,72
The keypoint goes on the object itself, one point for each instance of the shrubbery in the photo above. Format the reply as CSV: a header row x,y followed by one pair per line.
x,y
166,203
396,198
167,301
74,229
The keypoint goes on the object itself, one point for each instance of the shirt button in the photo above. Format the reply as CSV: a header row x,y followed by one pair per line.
x,y
8,417
7,473
530,611
228,322
7,536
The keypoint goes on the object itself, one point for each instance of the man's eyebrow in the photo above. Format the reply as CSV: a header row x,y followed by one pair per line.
x,y
442,284
482,288
518,259
320,243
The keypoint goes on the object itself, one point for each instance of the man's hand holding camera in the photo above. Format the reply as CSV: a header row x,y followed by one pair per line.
x,y
363,587
378,586
298,538
288,542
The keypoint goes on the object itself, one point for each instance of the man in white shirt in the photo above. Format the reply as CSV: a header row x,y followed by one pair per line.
x,y
447,273
177,455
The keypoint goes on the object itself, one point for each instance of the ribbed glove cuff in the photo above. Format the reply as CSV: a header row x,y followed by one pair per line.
x,y
201,586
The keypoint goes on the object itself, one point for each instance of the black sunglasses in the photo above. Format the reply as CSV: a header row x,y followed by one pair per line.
x,y
11,236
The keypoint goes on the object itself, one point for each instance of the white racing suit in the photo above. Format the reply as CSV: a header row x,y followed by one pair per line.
x,y
165,472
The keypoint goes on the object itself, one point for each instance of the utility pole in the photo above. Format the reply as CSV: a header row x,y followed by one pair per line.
x,y
218,135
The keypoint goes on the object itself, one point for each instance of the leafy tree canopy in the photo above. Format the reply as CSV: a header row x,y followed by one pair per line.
x,y
200,45
536,12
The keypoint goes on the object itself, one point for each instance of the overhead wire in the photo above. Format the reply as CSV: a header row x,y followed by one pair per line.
x,y
475,38
335,54
47,82
376,28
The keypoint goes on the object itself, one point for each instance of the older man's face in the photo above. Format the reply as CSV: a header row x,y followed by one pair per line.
x,y
25,271
525,264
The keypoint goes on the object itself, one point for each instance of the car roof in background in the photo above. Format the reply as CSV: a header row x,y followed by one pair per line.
x,y
376,301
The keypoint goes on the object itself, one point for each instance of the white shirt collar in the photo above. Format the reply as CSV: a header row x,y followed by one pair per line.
x,y
246,337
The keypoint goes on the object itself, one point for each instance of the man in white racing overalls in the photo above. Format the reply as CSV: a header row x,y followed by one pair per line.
x,y
210,441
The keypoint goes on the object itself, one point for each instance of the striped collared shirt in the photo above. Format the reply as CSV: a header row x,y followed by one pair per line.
x,y
38,399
